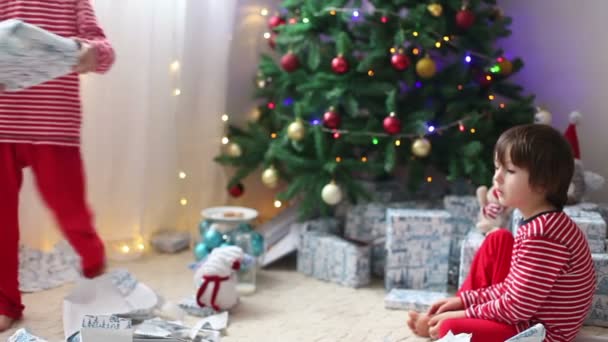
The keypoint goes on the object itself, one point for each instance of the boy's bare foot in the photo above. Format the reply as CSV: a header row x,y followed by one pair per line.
x,y
412,320
418,323
5,323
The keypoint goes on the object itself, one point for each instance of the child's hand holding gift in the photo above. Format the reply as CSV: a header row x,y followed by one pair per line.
x,y
87,59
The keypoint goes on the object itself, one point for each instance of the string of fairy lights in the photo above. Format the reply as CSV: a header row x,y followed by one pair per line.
x,y
420,146
135,247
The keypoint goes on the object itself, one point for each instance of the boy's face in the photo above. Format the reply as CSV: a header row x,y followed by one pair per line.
x,y
513,185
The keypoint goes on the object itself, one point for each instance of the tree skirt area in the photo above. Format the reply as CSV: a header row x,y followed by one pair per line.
x,y
287,306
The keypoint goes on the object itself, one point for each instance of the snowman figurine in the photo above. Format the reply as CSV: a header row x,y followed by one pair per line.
x,y
215,280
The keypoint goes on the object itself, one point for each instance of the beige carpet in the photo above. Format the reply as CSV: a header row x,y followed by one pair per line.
x,y
287,306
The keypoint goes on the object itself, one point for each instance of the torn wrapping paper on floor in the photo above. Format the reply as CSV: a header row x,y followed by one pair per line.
x,y
450,337
114,293
22,335
30,55
160,330
40,270
535,333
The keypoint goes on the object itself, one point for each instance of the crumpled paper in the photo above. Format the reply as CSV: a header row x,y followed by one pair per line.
x,y
450,337
192,308
40,270
30,55
115,293
161,330
22,335
535,333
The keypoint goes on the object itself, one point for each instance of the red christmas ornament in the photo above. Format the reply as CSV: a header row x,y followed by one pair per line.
x,y
272,41
290,62
275,21
237,190
392,125
339,65
400,61
465,18
331,119
293,20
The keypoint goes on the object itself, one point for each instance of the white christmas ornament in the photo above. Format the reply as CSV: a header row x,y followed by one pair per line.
x,y
215,280
543,117
331,194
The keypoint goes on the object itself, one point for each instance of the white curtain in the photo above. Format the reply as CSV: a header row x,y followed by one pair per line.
x,y
138,135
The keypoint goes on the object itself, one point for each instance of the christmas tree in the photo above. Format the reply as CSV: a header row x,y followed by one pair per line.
x,y
367,87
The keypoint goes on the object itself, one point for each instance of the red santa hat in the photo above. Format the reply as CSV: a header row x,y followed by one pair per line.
x,y
571,135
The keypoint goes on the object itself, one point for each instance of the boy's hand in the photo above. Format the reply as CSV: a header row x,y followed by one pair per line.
x,y
445,305
435,321
87,60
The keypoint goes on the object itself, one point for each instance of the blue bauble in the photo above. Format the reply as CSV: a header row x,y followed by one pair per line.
x,y
257,243
203,226
200,251
213,238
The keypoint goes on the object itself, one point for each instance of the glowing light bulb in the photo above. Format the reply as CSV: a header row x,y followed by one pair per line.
x,y
225,140
174,66
182,175
277,204
183,201
125,249
264,12
225,117
177,92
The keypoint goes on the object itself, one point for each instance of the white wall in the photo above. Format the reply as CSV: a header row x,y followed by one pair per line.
x,y
563,45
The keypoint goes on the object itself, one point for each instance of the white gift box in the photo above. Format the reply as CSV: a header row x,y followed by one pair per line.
x,y
30,55
331,258
418,248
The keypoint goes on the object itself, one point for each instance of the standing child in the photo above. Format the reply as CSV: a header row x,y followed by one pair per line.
x,y
40,129
551,277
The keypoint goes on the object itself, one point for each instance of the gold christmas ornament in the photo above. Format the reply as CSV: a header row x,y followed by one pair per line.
x,y
296,130
270,177
234,150
506,67
426,68
421,147
435,9
331,193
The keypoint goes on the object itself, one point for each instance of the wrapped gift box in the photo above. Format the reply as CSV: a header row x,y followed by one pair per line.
x,y
590,222
601,273
331,258
327,225
367,223
461,226
470,246
30,55
417,300
598,315
464,207
418,248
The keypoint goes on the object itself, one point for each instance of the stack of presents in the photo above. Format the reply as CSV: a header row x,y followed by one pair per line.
x,y
422,249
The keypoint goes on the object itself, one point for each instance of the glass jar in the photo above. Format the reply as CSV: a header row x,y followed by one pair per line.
x,y
247,273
